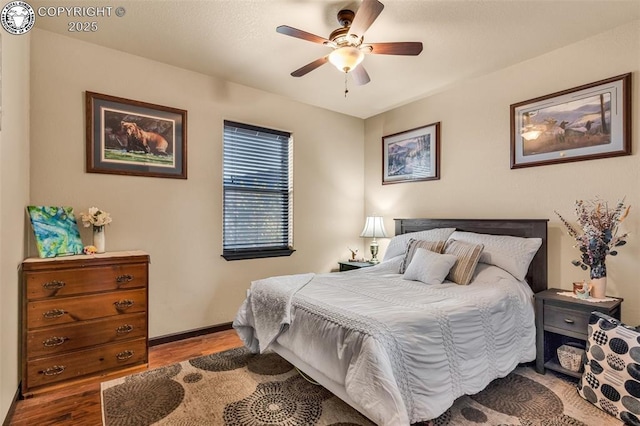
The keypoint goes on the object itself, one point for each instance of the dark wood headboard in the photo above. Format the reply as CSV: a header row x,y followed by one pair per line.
x,y
527,228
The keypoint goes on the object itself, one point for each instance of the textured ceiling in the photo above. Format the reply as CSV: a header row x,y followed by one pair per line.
x,y
236,40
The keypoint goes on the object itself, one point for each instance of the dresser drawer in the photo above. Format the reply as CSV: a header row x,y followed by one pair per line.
x,y
64,338
65,310
85,280
566,319
73,365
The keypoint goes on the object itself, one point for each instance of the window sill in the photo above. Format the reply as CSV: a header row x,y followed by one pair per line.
x,y
257,254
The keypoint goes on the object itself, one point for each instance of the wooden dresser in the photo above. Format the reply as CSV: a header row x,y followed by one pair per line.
x,y
83,316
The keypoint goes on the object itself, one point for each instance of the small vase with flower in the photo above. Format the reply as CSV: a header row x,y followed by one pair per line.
x,y
97,219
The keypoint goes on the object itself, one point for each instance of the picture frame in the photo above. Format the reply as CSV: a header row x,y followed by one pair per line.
x,y
128,137
412,155
587,122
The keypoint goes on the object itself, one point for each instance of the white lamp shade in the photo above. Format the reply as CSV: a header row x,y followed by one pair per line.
x,y
374,228
346,58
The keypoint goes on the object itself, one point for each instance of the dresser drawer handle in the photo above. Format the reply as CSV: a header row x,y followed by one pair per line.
x,y
569,321
124,329
53,285
124,355
124,278
54,341
121,305
54,313
53,371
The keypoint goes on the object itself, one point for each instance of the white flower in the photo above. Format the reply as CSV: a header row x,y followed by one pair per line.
x,y
95,217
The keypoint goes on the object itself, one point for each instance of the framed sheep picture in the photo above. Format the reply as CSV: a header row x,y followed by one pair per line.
x,y
584,123
127,137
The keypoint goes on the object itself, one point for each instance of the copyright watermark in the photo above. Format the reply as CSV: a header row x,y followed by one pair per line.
x,y
18,17
81,11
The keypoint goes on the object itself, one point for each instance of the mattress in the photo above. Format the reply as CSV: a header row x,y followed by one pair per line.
x,y
402,350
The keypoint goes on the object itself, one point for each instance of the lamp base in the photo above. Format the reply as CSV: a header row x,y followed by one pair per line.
x,y
374,252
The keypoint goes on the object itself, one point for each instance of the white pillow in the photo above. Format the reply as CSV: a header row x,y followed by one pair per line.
x,y
429,267
398,244
513,254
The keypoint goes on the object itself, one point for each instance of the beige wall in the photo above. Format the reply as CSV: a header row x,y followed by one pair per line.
x,y
476,181
14,195
179,221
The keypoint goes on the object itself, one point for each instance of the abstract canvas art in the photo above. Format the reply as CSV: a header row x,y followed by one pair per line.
x,y
56,231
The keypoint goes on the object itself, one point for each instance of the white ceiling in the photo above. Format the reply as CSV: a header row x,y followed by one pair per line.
x,y
236,40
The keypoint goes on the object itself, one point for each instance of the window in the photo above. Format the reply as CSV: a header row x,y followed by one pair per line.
x,y
258,199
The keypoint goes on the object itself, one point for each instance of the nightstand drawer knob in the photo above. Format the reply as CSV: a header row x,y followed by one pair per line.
x,y
124,278
124,355
53,285
54,313
54,341
569,321
124,329
123,304
53,371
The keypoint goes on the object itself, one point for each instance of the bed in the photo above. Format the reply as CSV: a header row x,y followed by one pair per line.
x,y
398,350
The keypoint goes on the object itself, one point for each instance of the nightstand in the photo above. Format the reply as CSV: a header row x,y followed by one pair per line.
x,y
563,319
347,266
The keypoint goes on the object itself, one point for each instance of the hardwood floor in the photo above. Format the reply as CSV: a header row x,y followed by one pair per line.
x,y
80,405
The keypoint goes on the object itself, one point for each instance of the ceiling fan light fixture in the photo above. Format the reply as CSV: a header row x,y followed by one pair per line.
x,y
346,58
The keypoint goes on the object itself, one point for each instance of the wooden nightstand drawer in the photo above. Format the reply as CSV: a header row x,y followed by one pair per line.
x,y
55,340
46,371
85,280
565,319
349,266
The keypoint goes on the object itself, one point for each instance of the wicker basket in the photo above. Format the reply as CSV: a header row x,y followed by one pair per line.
x,y
570,357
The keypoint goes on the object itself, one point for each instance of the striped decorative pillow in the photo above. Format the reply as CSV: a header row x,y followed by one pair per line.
x,y
468,256
435,246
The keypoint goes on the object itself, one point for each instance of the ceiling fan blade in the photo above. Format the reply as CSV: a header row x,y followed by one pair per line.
x,y
412,48
294,32
310,66
360,75
366,14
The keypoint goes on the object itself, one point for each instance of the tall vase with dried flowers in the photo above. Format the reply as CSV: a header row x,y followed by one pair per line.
x,y
599,238
97,219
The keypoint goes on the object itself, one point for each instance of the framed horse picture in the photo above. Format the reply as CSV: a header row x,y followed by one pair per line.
x,y
127,137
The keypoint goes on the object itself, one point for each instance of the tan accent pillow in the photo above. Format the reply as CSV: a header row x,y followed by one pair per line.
x,y
398,244
468,256
435,246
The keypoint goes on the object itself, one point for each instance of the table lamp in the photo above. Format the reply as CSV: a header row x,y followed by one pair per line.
x,y
374,228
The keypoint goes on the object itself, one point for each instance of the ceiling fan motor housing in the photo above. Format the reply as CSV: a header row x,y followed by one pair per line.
x,y
345,17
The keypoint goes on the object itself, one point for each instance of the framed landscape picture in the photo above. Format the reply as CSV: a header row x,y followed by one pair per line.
x,y
412,155
583,123
129,137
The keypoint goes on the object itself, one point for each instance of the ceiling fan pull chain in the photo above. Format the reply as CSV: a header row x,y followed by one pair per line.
x,y
345,85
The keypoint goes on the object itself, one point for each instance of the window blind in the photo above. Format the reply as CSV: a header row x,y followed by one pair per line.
x,y
257,191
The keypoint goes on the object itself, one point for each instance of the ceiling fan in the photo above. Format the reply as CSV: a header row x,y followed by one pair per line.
x,y
348,43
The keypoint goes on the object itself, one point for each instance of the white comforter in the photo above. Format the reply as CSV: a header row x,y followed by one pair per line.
x,y
403,350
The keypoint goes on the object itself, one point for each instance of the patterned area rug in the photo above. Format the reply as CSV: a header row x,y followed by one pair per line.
x,y
238,388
